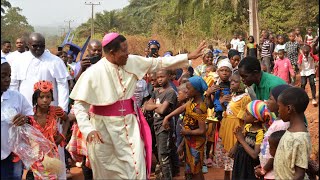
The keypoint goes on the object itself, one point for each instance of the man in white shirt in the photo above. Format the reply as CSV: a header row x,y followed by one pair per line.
x,y
5,48
234,42
21,48
39,64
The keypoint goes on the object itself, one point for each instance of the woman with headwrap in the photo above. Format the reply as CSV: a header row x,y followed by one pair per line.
x,y
193,128
248,145
207,59
153,47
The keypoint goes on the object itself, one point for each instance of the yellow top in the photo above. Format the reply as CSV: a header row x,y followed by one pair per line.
x,y
232,117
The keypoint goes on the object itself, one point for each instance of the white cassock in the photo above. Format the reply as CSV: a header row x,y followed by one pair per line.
x,y
28,69
122,155
12,56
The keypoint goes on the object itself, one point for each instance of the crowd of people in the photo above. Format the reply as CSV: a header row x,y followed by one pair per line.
x,y
110,113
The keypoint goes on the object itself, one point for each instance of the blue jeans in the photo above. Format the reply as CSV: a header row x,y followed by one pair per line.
x,y
11,170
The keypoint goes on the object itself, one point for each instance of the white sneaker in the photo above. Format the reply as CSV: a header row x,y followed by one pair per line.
x,y
314,102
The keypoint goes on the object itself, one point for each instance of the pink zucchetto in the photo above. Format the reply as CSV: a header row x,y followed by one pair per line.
x,y
108,38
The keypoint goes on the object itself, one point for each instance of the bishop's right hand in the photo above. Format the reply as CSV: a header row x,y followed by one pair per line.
x,y
94,137
198,52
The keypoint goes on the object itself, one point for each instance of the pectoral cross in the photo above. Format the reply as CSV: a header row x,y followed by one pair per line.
x,y
122,110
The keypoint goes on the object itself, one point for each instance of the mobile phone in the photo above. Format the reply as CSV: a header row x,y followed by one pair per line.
x,y
94,59
153,51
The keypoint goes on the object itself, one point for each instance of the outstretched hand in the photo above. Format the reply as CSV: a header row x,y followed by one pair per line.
x,y
198,52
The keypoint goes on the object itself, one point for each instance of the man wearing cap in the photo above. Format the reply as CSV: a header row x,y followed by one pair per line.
x,y
119,139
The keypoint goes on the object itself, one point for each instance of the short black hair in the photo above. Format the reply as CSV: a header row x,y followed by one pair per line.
x,y
276,136
282,50
36,95
182,87
5,42
233,53
185,76
59,53
114,45
165,71
212,67
250,64
306,47
295,96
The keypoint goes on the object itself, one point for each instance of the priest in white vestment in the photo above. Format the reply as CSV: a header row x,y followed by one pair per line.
x,y
39,64
115,146
21,48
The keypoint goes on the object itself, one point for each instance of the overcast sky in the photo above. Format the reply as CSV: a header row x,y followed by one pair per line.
x,y
55,12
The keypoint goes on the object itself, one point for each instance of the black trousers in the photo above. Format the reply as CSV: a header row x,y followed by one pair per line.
x,y
164,153
87,172
311,83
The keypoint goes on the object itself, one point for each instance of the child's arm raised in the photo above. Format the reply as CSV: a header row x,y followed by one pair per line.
x,y
162,108
166,119
252,152
200,131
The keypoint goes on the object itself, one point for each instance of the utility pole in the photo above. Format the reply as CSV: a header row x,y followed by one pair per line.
x,y
253,20
69,22
92,20
63,30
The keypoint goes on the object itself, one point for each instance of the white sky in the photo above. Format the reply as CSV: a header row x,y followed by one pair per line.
x,y
55,12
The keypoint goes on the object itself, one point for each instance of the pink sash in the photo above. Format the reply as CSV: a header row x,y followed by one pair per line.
x,y
123,108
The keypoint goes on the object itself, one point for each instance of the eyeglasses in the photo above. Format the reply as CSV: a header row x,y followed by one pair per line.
x,y
36,46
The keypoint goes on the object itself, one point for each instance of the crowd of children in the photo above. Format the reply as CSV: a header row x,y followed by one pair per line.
x,y
203,117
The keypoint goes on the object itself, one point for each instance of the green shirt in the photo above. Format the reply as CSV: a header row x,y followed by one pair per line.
x,y
267,83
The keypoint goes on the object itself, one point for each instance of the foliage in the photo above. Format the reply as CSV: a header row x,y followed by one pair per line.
x,y
4,4
13,21
181,23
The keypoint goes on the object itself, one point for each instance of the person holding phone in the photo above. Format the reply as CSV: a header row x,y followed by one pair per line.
x,y
94,55
154,47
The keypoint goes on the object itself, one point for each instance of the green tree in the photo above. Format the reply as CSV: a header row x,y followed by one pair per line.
x,y
14,25
4,4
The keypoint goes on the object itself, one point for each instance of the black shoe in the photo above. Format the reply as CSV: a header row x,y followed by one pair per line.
x,y
30,176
